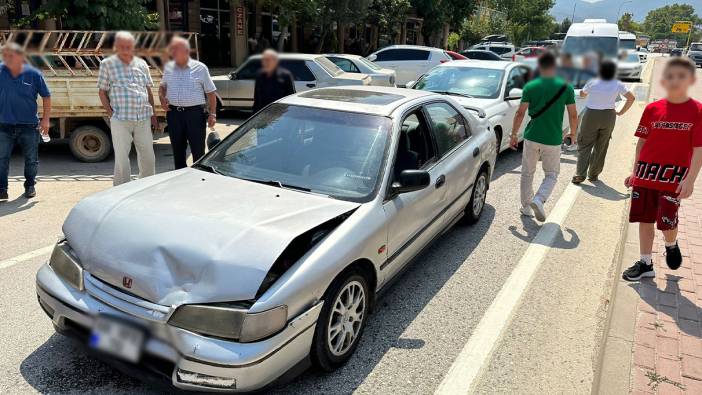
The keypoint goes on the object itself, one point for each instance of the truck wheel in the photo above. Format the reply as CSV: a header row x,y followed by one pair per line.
x,y
90,144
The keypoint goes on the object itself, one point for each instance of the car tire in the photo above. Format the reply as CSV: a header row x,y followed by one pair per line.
x,y
475,206
331,348
90,144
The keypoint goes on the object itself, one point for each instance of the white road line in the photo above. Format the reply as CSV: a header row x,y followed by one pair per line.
x,y
26,256
476,353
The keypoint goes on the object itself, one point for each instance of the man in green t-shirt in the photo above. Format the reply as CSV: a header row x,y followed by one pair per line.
x,y
546,98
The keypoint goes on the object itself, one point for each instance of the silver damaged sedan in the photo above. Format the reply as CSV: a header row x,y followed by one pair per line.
x,y
267,254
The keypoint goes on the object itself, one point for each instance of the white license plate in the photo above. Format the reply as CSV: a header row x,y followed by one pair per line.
x,y
116,338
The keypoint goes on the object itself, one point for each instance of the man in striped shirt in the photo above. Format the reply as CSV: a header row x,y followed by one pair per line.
x,y
187,93
124,84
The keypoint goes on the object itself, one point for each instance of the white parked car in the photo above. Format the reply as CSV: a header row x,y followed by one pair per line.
x,y
358,64
643,54
409,61
629,67
491,87
505,50
236,90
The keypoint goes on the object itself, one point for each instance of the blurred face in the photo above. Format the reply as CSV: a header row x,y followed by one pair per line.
x,y
269,62
12,59
180,52
125,49
676,81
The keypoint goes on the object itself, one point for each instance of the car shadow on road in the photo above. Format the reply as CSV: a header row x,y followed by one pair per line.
x,y
684,312
530,228
397,308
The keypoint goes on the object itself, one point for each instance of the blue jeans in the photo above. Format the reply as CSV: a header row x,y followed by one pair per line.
x,y
27,137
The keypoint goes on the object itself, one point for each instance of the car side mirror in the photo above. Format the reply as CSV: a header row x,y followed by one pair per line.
x,y
410,84
514,94
372,57
212,140
232,75
410,181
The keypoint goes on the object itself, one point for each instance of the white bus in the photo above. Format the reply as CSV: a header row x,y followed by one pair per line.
x,y
592,35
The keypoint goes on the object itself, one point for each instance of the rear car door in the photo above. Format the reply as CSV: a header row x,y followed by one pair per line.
x,y
303,76
516,79
240,89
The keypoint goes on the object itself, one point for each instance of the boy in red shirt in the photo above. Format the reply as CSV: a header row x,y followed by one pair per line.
x,y
668,160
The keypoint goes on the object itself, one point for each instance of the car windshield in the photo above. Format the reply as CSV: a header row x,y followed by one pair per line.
x,y
334,153
696,47
627,43
329,66
370,64
581,45
464,81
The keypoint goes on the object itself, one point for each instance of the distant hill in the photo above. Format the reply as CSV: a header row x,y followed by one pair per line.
x,y
608,8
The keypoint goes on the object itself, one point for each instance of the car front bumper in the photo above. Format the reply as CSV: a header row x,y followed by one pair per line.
x,y
169,350
629,73
697,59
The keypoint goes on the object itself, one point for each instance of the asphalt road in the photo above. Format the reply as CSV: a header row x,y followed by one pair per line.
x,y
410,342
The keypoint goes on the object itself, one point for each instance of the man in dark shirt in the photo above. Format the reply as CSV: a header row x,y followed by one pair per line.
x,y
272,82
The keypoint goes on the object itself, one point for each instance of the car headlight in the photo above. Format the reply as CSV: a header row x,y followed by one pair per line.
x,y
234,323
66,265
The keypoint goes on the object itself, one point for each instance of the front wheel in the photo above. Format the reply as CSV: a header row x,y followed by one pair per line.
x,y
475,206
341,321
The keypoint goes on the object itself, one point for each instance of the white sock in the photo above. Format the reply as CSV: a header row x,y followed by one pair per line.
x,y
672,243
646,258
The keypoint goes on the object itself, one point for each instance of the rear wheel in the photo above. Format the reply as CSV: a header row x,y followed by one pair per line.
x,y
475,206
89,143
341,321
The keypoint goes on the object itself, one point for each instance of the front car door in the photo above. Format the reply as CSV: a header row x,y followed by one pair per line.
x,y
240,89
516,79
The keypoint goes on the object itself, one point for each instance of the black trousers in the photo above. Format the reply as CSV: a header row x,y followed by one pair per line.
x,y
186,127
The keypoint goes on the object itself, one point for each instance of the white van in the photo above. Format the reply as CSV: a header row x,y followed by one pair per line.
x,y
592,35
627,41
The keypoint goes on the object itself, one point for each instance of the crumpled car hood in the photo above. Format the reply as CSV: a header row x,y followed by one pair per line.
x,y
191,237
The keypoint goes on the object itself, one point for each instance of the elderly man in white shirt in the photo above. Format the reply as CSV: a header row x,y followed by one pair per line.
x,y
187,93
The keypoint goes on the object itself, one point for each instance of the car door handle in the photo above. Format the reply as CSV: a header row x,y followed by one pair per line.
x,y
476,152
440,181
311,85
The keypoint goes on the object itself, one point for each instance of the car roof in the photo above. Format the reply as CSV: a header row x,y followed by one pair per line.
x,y
376,100
407,46
294,56
343,55
480,64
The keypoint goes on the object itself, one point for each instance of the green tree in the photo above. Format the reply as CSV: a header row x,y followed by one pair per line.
x,y
388,15
5,6
439,13
628,24
98,14
658,22
565,25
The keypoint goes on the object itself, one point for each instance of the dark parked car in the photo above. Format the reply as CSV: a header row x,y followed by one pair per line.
x,y
480,55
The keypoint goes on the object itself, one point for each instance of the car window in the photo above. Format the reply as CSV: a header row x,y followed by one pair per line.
x,y
345,65
370,64
249,70
298,68
515,80
402,54
448,126
329,66
415,138
500,50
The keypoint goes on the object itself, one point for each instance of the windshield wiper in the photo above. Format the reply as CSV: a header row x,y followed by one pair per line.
x,y
278,184
208,168
454,94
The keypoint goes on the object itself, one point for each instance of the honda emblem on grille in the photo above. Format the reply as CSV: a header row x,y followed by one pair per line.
x,y
127,282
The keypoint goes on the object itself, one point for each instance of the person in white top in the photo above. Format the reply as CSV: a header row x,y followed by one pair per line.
x,y
598,120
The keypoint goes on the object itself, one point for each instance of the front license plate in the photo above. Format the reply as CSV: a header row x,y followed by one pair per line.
x,y
117,338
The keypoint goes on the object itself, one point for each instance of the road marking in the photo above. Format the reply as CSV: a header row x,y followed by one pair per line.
x,y
26,256
476,353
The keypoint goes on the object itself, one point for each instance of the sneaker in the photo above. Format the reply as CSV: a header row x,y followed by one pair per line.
x,y
673,257
526,211
4,195
30,192
538,208
638,271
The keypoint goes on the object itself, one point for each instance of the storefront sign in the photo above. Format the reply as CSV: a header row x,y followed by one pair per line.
x,y
239,18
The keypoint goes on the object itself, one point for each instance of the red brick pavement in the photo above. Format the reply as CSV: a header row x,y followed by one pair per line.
x,y
667,354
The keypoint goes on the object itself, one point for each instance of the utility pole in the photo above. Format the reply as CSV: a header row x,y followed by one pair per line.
x,y
572,19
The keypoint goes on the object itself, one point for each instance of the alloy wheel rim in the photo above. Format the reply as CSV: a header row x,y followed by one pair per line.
x,y
347,315
479,195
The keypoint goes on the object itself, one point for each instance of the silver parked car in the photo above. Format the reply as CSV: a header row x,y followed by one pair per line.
x,y
358,64
236,90
267,254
